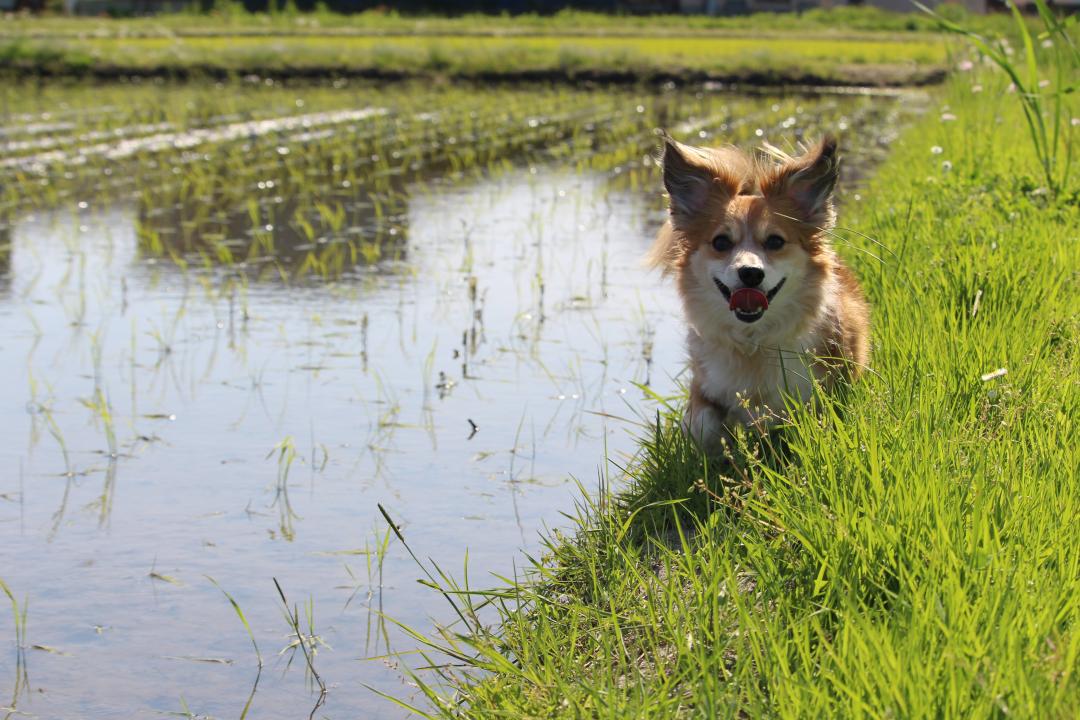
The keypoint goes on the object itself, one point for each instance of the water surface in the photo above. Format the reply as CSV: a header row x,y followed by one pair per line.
x,y
210,376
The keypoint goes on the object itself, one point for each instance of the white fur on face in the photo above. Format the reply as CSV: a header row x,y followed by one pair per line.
x,y
707,307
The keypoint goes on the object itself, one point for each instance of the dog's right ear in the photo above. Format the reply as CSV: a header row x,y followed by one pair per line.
x,y
808,181
687,183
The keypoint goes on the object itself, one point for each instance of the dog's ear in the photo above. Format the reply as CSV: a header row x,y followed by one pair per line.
x,y
688,183
808,181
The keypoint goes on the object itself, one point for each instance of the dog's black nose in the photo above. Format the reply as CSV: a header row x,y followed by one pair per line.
x,y
751,276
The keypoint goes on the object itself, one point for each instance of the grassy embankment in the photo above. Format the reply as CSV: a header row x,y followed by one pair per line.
x,y
233,20
913,550
846,46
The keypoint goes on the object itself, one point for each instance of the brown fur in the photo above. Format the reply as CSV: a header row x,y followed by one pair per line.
x,y
773,193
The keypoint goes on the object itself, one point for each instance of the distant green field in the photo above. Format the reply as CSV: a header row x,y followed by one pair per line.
x,y
851,46
860,59
471,53
837,21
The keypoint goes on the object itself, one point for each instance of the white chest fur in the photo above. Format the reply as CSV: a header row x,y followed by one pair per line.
x,y
755,381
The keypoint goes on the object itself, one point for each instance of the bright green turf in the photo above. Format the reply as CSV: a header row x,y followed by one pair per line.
x,y
913,552
862,46
232,20
465,54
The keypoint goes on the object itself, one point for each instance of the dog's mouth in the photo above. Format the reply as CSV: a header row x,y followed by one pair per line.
x,y
748,304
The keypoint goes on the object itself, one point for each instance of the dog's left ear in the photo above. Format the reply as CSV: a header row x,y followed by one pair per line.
x,y
687,182
808,181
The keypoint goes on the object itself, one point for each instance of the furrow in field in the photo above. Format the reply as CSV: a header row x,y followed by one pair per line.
x,y
418,142
27,140
169,141
50,143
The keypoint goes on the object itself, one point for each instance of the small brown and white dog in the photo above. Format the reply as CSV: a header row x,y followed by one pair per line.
x,y
770,307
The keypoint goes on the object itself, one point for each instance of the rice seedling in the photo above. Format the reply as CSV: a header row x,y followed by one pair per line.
x,y
22,676
286,455
42,409
240,614
251,634
308,642
162,577
99,405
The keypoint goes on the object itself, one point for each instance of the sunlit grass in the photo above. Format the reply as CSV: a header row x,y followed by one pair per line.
x,y
462,53
231,19
841,60
1042,82
910,550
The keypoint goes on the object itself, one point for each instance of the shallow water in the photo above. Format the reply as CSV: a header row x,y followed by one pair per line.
x,y
172,419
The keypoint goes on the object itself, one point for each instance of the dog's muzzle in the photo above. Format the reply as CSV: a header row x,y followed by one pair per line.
x,y
748,304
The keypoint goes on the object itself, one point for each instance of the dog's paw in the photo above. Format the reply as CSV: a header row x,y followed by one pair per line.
x,y
707,426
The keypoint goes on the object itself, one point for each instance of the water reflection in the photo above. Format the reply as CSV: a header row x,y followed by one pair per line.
x,y
5,250
223,379
179,423
280,232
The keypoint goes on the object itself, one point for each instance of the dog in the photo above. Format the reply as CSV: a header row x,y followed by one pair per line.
x,y
771,308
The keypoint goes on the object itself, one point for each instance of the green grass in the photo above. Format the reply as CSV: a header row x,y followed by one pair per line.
x,y
840,61
232,20
837,47
1042,82
912,550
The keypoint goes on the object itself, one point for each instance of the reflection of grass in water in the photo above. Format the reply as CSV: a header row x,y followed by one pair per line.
x,y
375,561
251,635
22,677
286,454
44,410
98,403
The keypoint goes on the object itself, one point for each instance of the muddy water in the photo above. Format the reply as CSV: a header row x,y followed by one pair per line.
x,y
169,426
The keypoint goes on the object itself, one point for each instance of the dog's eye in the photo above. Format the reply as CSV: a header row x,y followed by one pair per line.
x,y
774,242
722,243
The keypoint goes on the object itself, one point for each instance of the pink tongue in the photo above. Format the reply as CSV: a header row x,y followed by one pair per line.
x,y
748,300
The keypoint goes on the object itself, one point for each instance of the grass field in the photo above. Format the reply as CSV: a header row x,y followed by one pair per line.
x,y
913,550
232,20
848,61
842,47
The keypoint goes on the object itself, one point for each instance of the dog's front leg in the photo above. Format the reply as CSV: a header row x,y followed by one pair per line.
x,y
706,422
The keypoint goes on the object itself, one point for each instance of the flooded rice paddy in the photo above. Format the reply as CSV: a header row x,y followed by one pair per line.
x,y
235,318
